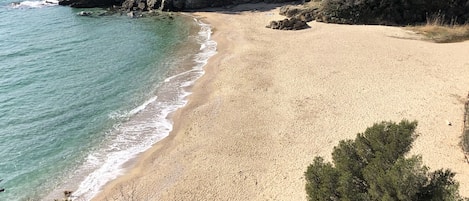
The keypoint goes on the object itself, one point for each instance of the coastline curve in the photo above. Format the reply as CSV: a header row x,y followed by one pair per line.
x,y
147,124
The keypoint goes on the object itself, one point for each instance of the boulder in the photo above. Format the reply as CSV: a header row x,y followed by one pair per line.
x,y
128,5
153,4
288,24
142,5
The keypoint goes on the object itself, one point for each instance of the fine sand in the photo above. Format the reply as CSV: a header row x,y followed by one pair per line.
x,y
272,100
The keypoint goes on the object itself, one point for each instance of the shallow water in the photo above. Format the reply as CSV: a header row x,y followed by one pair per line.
x,y
80,96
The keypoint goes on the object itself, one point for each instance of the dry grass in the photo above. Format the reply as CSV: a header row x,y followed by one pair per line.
x,y
445,33
441,31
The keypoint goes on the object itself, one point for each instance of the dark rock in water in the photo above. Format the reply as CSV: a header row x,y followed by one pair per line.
x,y
137,14
85,13
1,189
288,24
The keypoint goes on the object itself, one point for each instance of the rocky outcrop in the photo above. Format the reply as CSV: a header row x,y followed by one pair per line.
x,y
197,4
298,16
288,24
300,12
165,5
89,3
141,5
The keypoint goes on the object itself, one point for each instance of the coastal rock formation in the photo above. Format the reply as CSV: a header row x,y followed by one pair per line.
x,y
288,24
179,5
197,4
165,5
307,14
298,16
142,5
89,3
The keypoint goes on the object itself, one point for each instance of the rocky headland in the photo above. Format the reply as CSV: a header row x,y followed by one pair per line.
x,y
165,5
378,12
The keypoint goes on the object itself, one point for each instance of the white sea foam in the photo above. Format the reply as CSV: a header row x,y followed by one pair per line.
x,y
149,124
142,107
208,48
35,4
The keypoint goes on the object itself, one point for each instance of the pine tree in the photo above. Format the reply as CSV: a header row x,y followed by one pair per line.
x,y
374,167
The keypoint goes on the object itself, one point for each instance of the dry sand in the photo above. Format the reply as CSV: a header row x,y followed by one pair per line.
x,y
272,100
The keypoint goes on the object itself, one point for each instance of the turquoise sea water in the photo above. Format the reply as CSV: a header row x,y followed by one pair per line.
x,y
80,96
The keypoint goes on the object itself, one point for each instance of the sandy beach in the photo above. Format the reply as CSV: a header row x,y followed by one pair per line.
x,y
272,100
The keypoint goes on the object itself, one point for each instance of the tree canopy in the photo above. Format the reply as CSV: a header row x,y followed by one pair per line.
x,y
374,167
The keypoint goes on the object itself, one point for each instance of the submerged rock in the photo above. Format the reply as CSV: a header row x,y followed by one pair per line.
x,y
85,13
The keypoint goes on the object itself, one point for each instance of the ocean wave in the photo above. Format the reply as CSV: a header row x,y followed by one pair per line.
x,y
34,4
208,48
148,124
124,115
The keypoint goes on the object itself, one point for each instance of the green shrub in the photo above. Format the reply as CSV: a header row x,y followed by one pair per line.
x,y
393,12
373,167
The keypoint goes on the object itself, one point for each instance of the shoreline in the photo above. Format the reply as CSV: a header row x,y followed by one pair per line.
x,y
265,107
134,167
153,117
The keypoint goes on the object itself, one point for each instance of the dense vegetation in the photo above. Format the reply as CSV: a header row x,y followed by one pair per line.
x,y
394,12
374,167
